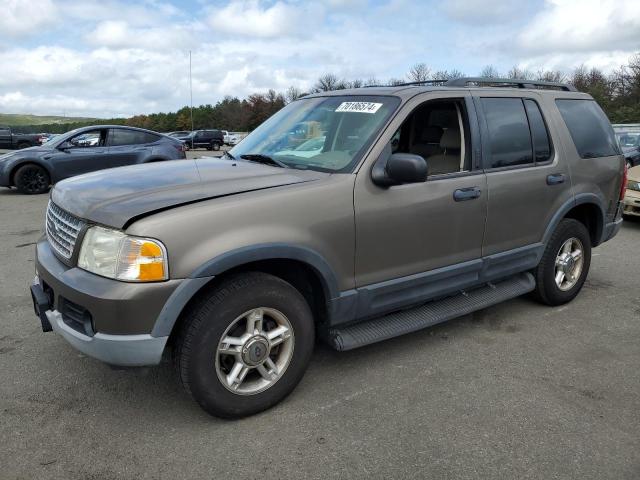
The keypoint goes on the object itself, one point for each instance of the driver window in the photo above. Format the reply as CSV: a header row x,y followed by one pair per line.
x,y
91,138
438,131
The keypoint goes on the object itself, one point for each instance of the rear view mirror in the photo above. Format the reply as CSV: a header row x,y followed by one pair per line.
x,y
399,168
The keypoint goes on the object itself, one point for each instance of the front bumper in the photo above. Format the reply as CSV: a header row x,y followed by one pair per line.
x,y
632,203
103,318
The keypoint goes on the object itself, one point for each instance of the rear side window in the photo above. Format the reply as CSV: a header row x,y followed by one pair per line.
x,y
508,128
590,129
539,133
120,137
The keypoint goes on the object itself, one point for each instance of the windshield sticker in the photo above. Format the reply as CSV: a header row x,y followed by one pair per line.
x,y
360,107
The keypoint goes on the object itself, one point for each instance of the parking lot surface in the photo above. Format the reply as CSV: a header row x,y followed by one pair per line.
x,y
519,390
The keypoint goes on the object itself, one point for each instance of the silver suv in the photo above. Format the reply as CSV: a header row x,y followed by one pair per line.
x,y
419,203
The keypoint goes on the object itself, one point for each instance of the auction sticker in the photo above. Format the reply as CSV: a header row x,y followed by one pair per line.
x,y
359,107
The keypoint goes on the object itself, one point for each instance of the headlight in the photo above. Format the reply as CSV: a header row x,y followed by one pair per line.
x,y
113,254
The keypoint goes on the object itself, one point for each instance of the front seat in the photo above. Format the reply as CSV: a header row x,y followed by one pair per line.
x,y
449,160
428,143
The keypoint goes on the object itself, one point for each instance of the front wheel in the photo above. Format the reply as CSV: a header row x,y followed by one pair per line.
x,y
245,345
564,265
32,179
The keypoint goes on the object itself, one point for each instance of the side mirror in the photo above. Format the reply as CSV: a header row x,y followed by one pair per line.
x,y
399,168
65,146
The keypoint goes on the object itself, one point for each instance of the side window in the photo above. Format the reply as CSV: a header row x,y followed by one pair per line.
x,y
539,133
590,129
91,138
119,137
509,136
438,131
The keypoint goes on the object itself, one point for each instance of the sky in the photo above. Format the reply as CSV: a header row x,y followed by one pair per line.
x,y
111,58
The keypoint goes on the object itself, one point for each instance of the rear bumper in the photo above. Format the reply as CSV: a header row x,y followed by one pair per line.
x,y
611,229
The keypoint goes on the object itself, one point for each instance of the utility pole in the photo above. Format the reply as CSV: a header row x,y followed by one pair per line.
x,y
191,90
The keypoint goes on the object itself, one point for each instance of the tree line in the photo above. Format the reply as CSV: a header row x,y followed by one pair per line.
x,y
618,93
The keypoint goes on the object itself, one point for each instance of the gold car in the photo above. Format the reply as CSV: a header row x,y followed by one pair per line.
x,y
632,197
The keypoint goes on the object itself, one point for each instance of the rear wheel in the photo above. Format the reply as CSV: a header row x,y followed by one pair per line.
x,y
32,179
245,346
23,145
564,265
215,146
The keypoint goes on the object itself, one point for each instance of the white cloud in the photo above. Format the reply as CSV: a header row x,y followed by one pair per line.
x,y
19,18
119,34
483,12
583,26
249,18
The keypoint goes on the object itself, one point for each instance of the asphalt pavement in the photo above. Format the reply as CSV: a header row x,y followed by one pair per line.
x,y
516,391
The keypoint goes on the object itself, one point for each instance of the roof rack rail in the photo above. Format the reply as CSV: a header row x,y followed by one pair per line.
x,y
506,82
410,84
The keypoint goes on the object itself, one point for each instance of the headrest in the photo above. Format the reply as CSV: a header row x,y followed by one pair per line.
x,y
450,139
431,134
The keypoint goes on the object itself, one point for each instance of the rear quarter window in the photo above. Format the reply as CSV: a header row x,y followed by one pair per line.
x,y
589,127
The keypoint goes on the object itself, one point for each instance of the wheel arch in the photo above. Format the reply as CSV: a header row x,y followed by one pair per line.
x,y
588,209
28,161
302,267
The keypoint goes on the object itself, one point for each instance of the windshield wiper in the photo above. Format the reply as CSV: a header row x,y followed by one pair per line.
x,y
227,154
264,159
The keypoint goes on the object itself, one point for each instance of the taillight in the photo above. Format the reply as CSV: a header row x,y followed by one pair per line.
x,y
625,179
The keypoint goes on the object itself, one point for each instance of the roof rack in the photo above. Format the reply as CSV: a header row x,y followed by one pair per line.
x,y
410,84
508,82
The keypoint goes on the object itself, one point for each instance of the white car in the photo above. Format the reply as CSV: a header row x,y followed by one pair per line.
x,y
308,149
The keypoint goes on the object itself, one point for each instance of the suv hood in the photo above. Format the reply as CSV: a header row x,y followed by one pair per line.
x,y
117,196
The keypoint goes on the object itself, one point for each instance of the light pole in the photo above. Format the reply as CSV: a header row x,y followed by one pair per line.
x,y
191,90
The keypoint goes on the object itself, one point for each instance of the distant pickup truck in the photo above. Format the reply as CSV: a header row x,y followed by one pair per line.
x,y
8,139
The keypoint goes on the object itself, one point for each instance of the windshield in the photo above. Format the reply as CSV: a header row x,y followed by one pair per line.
x,y
328,134
628,139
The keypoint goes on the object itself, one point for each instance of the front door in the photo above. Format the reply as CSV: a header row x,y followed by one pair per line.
x,y
418,241
82,153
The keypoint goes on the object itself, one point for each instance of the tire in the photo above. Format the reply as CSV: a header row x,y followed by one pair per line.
x,y
32,179
224,312
548,291
215,146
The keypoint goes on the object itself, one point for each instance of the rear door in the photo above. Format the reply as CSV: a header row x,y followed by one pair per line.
x,y
128,147
526,178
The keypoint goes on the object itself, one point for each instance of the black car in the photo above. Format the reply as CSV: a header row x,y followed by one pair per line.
x,y
86,149
209,139
180,134
8,139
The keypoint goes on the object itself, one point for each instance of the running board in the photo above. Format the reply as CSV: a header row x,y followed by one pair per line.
x,y
407,321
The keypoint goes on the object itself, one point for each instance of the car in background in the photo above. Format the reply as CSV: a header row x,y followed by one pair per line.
x,y
11,140
180,134
308,149
632,195
209,139
84,150
628,136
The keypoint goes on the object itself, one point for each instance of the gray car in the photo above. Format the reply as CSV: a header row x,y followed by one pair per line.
x,y
33,170
423,204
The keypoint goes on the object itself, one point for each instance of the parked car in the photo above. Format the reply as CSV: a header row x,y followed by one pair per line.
x,y
628,136
11,140
180,135
209,139
87,149
308,149
233,265
632,197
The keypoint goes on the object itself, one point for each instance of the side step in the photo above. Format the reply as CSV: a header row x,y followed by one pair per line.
x,y
407,321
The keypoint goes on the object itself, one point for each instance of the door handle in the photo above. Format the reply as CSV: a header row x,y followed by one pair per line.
x,y
555,179
464,194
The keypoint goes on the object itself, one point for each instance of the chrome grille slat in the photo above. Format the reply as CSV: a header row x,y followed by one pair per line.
x,y
62,230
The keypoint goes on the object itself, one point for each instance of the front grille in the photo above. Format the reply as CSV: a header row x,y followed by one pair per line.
x,y
62,230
